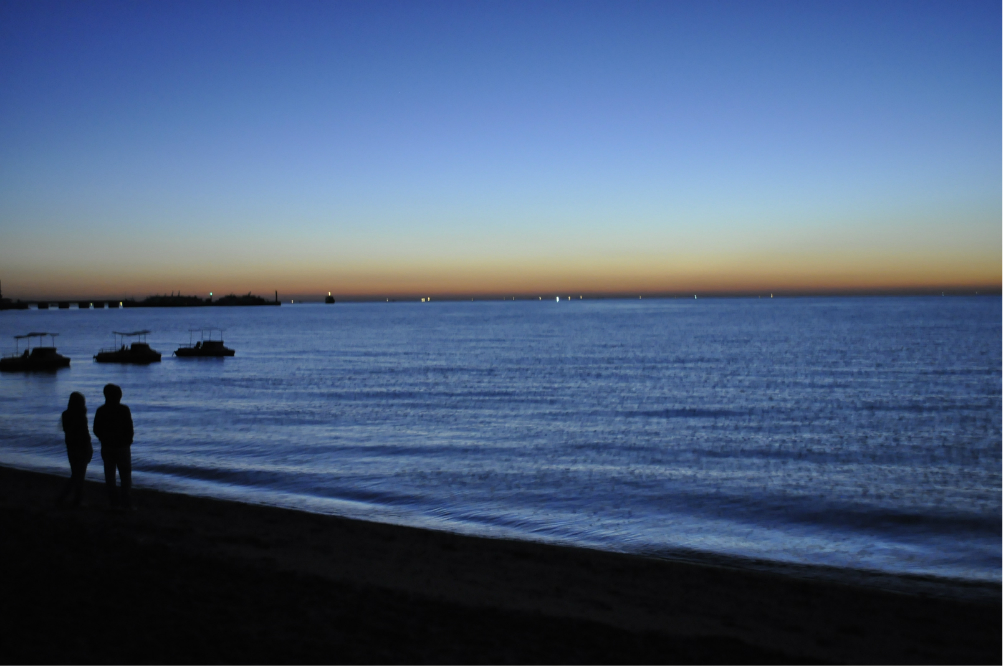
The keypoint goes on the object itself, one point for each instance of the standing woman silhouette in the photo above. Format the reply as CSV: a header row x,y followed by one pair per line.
x,y
78,446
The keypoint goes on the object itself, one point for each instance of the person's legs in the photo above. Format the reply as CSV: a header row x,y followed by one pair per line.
x,y
79,467
65,492
123,458
68,486
108,457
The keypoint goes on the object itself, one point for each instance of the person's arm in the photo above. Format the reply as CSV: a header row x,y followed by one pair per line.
x,y
99,429
127,432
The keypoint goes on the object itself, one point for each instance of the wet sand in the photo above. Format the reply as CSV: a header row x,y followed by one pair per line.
x,y
187,579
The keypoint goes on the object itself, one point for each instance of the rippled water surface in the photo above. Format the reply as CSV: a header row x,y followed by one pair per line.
x,y
860,433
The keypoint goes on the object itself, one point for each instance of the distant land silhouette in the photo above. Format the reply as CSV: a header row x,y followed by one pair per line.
x,y
179,301
165,302
247,299
7,304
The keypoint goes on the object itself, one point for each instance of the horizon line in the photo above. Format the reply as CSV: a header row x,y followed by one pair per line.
x,y
973,290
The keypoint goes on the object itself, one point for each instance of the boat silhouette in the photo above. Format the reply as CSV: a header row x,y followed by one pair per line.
x,y
138,353
204,348
42,357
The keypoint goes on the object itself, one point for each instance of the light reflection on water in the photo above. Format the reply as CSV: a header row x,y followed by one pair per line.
x,y
850,432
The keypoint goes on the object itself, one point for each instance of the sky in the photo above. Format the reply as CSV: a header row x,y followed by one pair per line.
x,y
498,148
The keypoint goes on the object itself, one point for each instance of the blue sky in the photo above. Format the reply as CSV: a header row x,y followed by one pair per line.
x,y
498,147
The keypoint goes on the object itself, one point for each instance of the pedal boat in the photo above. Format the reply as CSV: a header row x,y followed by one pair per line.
x,y
204,348
137,353
42,358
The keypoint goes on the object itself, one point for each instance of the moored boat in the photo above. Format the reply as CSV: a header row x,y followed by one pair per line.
x,y
204,348
137,353
42,357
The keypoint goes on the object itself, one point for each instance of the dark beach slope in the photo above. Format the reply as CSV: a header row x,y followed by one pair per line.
x,y
187,579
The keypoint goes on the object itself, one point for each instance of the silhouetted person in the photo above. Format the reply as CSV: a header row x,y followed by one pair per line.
x,y
113,426
78,447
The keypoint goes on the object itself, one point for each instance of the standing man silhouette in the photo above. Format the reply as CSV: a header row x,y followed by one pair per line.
x,y
113,426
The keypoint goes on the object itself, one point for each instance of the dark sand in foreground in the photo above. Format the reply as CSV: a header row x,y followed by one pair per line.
x,y
189,579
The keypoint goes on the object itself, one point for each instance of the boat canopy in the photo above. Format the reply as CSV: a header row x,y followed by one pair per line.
x,y
35,335
133,333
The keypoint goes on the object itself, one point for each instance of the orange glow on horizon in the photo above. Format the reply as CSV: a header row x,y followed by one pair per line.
x,y
515,278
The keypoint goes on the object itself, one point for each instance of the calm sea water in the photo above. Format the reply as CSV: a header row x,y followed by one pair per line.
x,y
858,433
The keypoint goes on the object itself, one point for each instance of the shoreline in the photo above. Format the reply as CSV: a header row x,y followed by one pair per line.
x,y
418,595
961,589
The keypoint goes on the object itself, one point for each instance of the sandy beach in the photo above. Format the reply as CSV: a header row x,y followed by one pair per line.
x,y
189,579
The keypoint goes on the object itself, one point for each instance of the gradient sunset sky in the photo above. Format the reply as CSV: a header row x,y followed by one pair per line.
x,y
505,148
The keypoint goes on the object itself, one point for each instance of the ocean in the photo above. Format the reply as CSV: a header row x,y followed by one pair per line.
x,y
857,433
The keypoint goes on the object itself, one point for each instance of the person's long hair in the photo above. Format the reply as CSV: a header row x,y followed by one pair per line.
x,y
77,404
